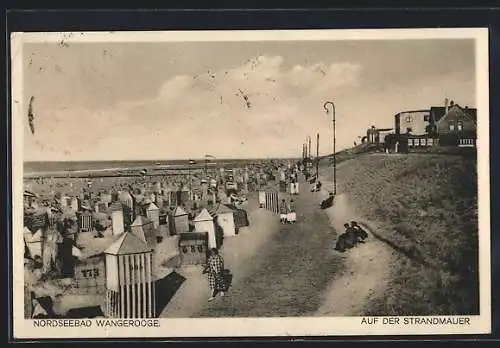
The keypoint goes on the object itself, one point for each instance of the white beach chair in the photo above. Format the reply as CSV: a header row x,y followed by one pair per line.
x,y
262,199
292,217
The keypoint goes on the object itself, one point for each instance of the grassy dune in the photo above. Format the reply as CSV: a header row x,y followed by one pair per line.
x,y
425,208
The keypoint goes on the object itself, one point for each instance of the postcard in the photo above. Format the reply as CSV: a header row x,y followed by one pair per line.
x,y
250,183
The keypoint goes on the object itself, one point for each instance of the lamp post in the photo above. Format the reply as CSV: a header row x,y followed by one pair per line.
x,y
317,154
308,140
325,106
189,177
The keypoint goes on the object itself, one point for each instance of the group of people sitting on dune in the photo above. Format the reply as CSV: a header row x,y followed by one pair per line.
x,y
353,235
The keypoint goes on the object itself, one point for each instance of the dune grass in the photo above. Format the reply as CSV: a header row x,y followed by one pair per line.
x,y
425,208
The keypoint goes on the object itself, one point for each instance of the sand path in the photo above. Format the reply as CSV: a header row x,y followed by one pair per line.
x,y
289,273
367,269
290,270
239,255
279,270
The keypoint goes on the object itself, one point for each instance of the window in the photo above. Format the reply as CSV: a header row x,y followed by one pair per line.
x,y
408,118
408,130
452,127
426,118
460,125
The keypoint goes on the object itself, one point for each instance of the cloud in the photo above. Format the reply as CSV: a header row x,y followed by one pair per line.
x,y
261,107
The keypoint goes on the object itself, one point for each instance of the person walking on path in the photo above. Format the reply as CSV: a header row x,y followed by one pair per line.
x,y
284,210
292,215
215,270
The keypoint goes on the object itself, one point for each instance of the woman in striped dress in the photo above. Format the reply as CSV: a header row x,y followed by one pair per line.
x,y
215,270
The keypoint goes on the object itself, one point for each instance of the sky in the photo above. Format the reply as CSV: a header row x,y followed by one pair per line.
x,y
178,100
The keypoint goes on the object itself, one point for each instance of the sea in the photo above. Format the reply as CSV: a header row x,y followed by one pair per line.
x,y
56,166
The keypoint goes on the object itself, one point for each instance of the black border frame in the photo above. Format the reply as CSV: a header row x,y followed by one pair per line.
x,y
52,19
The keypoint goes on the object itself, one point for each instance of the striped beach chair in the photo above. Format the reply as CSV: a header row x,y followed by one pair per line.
x,y
272,201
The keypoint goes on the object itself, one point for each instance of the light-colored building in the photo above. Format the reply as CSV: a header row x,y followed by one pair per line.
x,y
204,222
153,213
193,248
130,281
34,242
117,222
225,219
144,229
412,122
180,221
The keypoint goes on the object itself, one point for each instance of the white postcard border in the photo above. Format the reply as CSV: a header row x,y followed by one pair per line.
x,y
230,327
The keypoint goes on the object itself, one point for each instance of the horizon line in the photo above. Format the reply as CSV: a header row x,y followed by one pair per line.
x,y
171,159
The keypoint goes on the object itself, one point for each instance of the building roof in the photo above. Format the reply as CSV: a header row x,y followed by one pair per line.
x,y
412,111
472,112
221,209
31,237
179,211
140,221
231,206
127,244
86,212
458,110
125,197
29,194
438,112
152,206
192,236
204,215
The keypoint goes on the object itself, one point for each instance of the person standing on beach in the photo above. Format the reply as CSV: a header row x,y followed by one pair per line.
x,y
215,270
